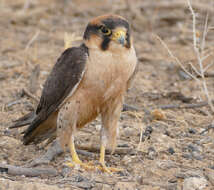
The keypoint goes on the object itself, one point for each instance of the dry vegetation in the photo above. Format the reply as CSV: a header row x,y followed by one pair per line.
x,y
166,144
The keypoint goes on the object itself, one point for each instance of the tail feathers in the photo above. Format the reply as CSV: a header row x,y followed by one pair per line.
x,y
25,120
40,129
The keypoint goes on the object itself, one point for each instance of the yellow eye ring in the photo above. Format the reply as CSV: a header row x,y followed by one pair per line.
x,y
105,30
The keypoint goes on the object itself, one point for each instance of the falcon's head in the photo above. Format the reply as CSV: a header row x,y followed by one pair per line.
x,y
108,31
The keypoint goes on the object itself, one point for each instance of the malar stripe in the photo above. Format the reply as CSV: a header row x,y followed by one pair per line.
x,y
105,43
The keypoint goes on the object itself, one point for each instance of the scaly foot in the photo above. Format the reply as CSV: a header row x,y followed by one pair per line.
x,y
109,170
86,166
103,166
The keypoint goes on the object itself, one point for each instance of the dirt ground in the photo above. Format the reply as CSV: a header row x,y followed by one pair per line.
x,y
166,144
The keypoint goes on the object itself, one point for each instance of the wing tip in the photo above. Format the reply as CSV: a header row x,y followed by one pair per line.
x,y
22,121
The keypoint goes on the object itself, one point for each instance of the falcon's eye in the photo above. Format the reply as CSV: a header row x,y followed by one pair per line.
x,y
105,30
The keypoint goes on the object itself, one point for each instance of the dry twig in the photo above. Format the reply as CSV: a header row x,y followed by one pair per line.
x,y
34,79
187,106
14,103
31,172
32,40
127,107
97,149
199,55
176,59
26,92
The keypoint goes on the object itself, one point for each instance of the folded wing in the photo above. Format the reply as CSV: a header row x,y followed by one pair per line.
x,y
62,81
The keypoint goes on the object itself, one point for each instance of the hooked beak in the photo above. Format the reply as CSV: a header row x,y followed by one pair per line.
x,y
119,36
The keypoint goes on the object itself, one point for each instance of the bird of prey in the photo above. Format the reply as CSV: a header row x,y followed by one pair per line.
x,y
85,82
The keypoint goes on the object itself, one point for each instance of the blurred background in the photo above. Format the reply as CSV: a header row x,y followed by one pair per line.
x,y
32,35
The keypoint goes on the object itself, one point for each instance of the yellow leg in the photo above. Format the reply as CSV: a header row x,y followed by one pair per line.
x,y
75,157
103,167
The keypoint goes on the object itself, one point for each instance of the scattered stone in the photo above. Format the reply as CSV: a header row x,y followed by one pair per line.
x,y
161,142
166,164
84,184
126,160
194,183
167,133
189,173
7,132
152,154
183,75
124,172
66,171
123,145
194,152
125,186
79,178
146,134
180,175
187,156
197,155
206,140
194,148
171,150
98,127
173,180
128,132
192,131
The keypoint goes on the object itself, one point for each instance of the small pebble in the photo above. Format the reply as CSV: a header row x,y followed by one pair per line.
x,y
147,133
79,178
183,75
193,148
66,171
192,131
98,127
7,132
187,156
167,133
171,150
193,183
197,155
124,145
126,160
152,154
173,180
128,132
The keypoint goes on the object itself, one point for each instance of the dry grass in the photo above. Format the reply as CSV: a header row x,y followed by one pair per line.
x,y
200,55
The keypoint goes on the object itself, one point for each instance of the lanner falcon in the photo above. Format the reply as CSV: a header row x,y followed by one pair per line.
x,y
86,81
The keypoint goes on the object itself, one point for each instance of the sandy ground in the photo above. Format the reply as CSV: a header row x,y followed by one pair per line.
x,y
169,148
